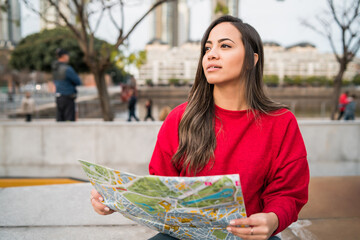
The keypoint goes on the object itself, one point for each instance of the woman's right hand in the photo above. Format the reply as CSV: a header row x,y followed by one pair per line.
x,y
96,200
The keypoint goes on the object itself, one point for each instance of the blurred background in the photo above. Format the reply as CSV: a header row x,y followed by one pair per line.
x,y
162,51
152,47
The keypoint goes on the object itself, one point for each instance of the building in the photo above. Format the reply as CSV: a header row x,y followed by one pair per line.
x,y
52,16
171,22
304,60
165,63
10,24
10,35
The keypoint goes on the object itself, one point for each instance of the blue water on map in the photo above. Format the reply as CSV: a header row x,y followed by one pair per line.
x,y
149,208
222,194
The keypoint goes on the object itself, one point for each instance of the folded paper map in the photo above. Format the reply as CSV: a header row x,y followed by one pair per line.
x,y
183,207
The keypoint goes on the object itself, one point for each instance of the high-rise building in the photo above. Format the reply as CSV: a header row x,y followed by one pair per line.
x,y
171,23
52,16
222,7
10,24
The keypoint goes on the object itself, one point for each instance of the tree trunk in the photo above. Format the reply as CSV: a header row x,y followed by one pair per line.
x,y
337,90
106,108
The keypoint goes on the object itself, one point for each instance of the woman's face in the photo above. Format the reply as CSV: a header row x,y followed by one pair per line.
x,y
224,55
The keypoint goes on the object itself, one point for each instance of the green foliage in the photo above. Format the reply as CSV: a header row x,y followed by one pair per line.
x,y
317,81
346,83
3,8
313,81
271,80
37,51
174,81
137,58
288,81
118,75
221,8
149,82
356,80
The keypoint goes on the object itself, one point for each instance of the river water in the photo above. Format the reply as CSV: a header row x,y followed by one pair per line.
x,y
303,108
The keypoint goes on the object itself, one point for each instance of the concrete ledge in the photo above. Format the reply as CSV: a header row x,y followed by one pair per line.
x,y
51,149
60,212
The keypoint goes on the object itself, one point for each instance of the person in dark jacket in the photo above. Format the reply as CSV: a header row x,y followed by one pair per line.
x,y
349,113
66,80
132,105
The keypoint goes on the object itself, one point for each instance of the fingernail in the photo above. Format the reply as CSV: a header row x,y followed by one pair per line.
x,y
229,229
107,209
232,222
101,199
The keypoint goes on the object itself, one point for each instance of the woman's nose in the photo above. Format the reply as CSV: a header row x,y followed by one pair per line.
x,y
213,54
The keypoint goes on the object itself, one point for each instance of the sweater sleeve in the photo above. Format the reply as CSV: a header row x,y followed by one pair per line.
x,y
286,187
166,145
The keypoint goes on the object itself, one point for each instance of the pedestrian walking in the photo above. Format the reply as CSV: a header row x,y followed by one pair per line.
x,y
132,105
148,106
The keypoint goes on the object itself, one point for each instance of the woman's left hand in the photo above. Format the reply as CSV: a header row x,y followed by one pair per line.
x,y
261,226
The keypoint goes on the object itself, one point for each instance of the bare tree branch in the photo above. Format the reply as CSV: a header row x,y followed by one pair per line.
x,y
113,20
42,16
71,8
352,36
356,11
121,39
104,7
356,47
334,14
122,15
62,15
338,58
99,19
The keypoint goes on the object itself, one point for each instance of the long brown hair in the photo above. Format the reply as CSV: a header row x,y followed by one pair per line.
x,y
197,139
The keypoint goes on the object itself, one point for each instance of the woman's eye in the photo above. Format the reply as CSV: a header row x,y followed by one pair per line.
x,y
225,45
207,49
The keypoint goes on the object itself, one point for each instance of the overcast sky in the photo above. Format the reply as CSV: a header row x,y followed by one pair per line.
x,y
278,21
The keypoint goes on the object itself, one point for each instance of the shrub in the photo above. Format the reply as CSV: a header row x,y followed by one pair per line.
x,y
271,80
356,80
174,81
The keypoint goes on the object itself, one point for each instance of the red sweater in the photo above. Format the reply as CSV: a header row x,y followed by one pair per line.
x,y
269,155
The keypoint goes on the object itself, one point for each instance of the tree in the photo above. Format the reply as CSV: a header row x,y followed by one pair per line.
x,y
37,51
98,61
346,19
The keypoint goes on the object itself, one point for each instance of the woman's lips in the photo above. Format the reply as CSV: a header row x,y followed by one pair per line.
x,y
213,68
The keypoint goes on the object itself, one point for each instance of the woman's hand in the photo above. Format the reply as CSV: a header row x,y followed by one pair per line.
x,y
261,226
100,208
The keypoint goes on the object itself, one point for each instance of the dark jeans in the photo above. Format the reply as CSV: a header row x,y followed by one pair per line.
x,y
65,108
149,116
28,117
162,236
341,113
132,114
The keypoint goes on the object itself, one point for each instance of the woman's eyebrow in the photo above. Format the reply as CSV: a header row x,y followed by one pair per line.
x,y
221,40
225,39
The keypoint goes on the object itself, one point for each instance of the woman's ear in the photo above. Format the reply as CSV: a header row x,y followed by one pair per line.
x,y
256,58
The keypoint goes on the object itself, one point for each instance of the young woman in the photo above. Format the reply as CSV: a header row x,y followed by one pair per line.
x,y
229,126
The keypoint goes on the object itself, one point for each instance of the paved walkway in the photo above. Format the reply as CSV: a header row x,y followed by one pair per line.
x,y
64,212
